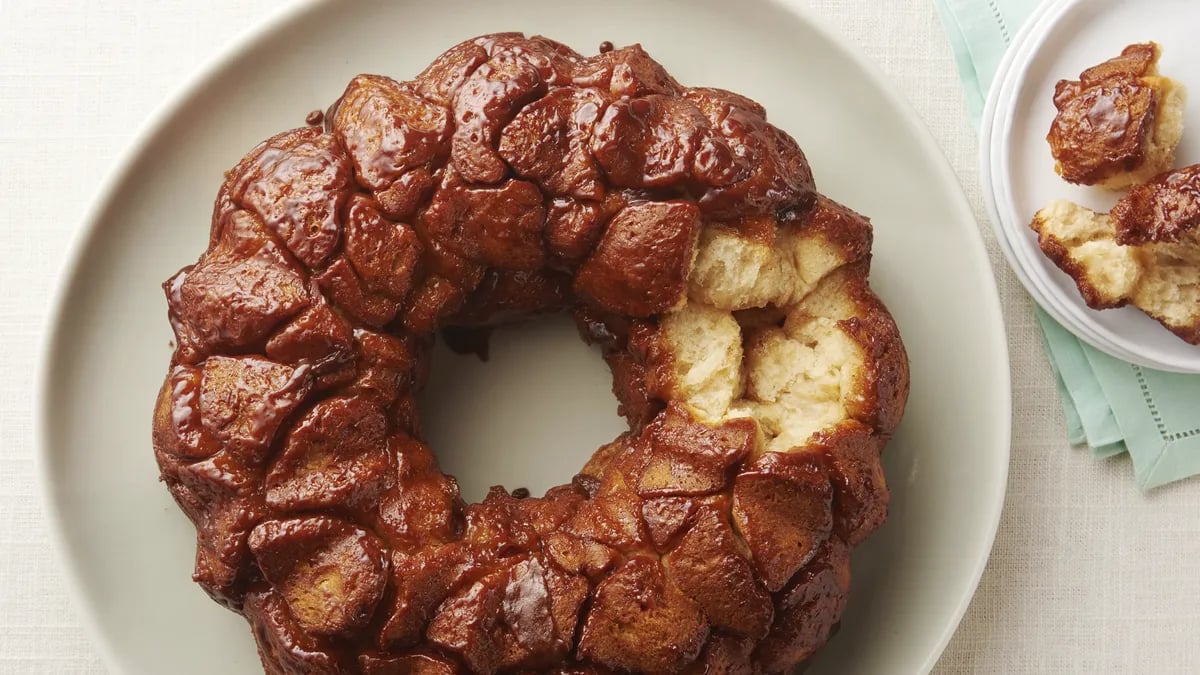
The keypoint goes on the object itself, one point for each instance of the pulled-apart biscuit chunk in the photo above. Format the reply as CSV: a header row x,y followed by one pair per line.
x,y
1158,271
1117,125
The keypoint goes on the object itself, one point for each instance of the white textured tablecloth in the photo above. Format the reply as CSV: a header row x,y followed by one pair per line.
x,y
1088,575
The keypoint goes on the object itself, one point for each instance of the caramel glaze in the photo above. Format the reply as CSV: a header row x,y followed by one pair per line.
x,y
1163,210
512,176
1105,117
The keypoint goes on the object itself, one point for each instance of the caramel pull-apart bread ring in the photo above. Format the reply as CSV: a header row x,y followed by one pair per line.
x,y
1146,252
1119,123
759,374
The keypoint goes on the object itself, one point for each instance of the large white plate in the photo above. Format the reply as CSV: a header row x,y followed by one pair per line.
x,y
1061,39
533,414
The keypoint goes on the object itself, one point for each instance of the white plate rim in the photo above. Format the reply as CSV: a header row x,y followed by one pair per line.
x,y
173,103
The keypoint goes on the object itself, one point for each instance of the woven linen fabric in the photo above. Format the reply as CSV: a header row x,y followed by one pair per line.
x,y
1087,574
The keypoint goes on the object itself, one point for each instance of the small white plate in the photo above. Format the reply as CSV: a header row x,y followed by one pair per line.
x,y
1023,257
1061,39
1036,270
534,413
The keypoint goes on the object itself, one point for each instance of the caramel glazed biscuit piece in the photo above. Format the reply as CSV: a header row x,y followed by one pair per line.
x,y
1146,252
760,376
1119,124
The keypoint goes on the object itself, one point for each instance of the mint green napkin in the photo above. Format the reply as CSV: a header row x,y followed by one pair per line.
x,y
1112,406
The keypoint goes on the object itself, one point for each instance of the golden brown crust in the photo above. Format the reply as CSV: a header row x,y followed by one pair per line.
x,y
1158,271
1163,210
1187,333
840,226
515,176
664,232
884,380
1059,254
1117,122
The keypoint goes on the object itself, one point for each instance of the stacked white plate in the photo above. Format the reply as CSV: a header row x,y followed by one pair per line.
x,y
1062,38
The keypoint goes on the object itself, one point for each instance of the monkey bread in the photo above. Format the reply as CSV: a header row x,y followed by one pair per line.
x,y
759,374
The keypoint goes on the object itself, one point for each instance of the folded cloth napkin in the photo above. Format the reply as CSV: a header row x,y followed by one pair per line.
x,y
1112,406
